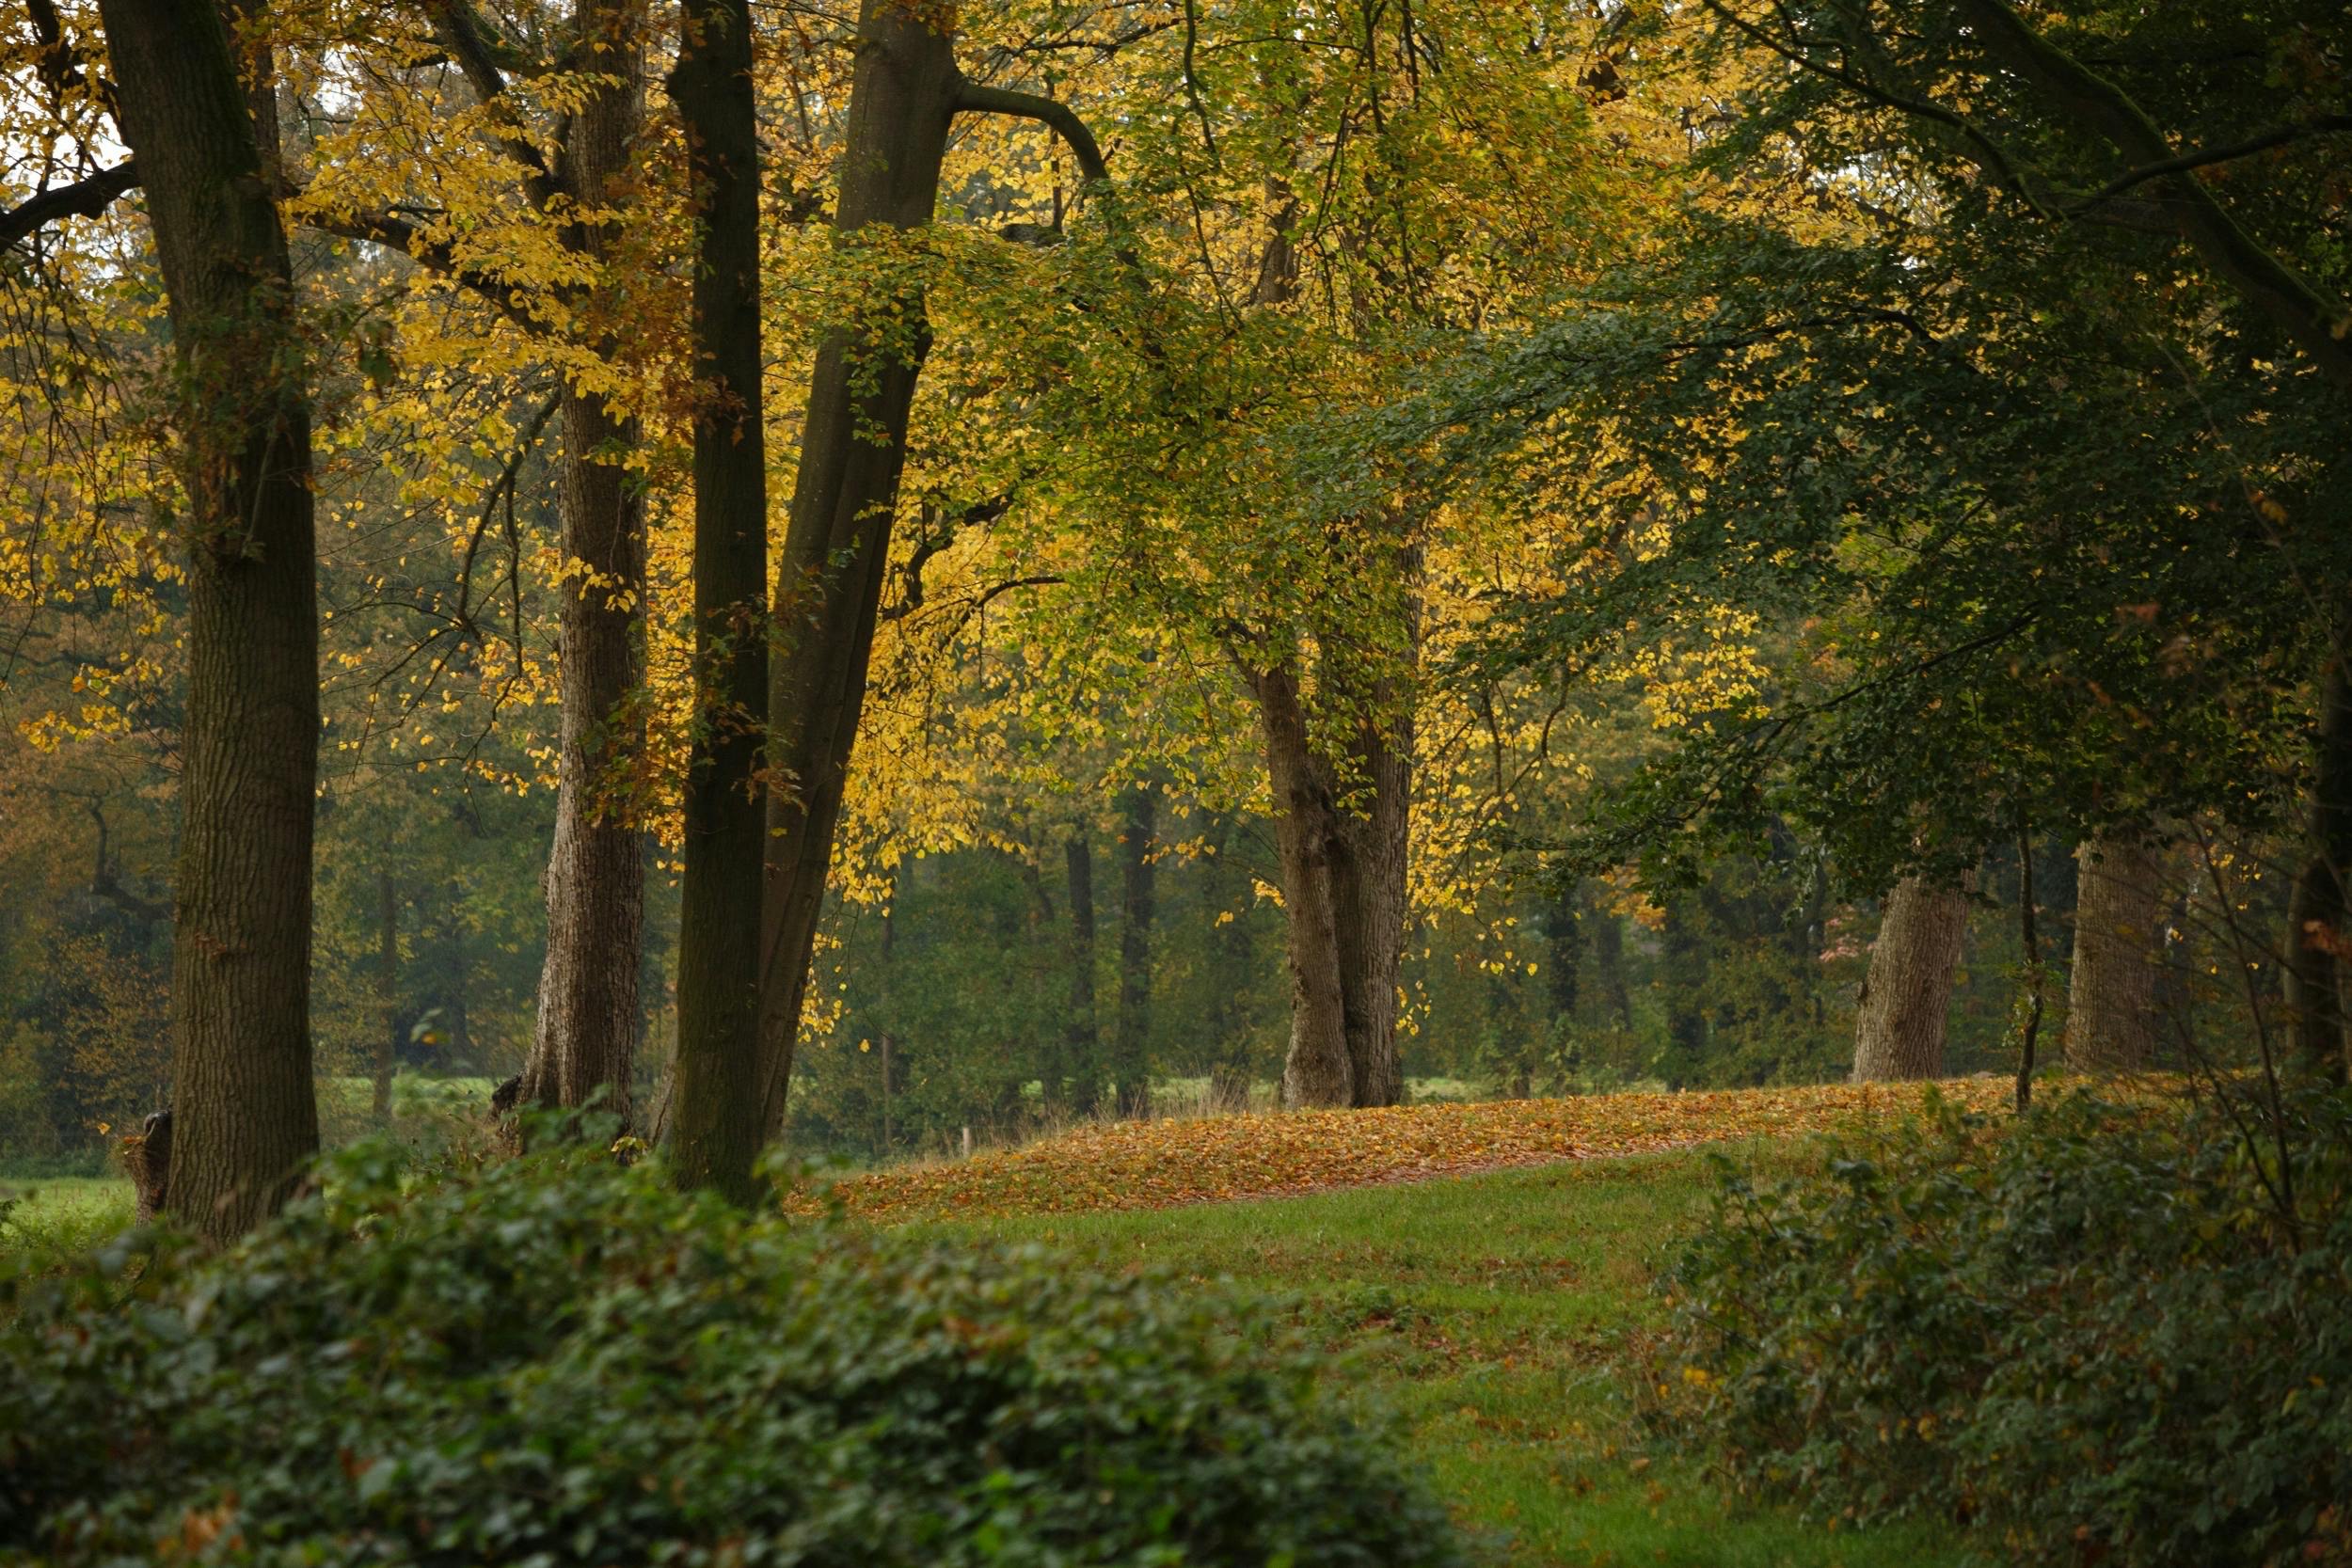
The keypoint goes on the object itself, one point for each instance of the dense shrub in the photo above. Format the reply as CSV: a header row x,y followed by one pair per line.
x,y
2097,1331
553,1361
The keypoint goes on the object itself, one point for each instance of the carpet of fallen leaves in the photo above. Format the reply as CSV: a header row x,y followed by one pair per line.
x,y
1159,1164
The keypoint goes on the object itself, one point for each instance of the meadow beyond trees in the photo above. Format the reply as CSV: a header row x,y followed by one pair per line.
x,y
1100,606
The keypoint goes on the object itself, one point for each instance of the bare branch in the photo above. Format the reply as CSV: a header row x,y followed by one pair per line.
x,y
84,199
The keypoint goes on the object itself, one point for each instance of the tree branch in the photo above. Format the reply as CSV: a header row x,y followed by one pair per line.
x,y
2278,136
397,233
2315,324
84,199
973,99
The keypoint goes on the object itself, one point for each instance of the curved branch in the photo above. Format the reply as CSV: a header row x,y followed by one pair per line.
x,y
84,199
1062,119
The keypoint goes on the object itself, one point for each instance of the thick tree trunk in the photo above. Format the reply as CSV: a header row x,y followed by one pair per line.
x,y
2110,998
2318,937
387,997
1320,1070
1131,1067
244,1115
852,446
720,1118
1082,1038
584,1042
1898,1031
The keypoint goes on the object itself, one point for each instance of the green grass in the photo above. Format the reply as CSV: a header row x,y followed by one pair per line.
x,y
50,1219
1506,1318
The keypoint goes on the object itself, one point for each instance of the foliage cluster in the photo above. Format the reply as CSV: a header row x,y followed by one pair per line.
x,y
2106,1332
555,1360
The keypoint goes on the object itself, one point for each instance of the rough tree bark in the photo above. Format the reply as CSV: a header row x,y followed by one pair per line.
x,y
2318,942
1898,1031
585,1040
1082,1036
1131,1067
245,1116
2110,996
1319,1070
1369,864
828,589
717,1118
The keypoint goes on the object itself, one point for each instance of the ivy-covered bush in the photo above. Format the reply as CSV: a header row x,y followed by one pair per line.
x,y
2105,1333
553,1360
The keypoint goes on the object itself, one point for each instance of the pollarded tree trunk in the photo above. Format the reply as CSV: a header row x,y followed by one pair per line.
x,y
1131,1067
1319,1070
1082,1036
2119,911
2317,937
1898,1031
585,1040
244,1114
718,1126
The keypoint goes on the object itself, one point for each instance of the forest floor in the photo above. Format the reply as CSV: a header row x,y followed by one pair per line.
x,y
1511,1321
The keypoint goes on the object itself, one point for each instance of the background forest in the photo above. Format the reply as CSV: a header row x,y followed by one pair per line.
x,y
1684,503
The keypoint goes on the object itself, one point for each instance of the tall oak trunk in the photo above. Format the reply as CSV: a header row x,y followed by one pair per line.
x,y
2110,997
244,1115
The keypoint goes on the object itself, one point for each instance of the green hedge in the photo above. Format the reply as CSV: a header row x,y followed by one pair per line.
x,y
553,1360
2099,1332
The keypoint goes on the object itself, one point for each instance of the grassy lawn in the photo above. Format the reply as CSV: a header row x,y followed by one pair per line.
x,y
53,1217
1503,1317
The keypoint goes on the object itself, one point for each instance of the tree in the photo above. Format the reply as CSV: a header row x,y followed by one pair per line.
x,y
1131,1045
719,1128
2119,918
1898,1032
244,1114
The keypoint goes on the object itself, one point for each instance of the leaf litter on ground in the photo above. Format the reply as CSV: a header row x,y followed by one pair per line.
x,y
1169,1163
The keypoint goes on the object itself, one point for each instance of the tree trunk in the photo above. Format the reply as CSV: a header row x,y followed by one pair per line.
x,y
1082,1041
388,997
244,1115
1320,1070
1563,950
2119,913
585,1040
1228,894
2316,934
719,1117
1684,961
852,446
1898,1031
1609,963
1369,895
1131,1068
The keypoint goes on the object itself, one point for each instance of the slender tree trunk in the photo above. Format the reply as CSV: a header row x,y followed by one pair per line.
x,y
2110,997
244,1115
852,445
1081,1042
1684,957
1229,894
1369,895
1898,1032
721,1116
1563,950
386,996
1131,1067
1319,1070
2317,939
1609,965
584,1039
